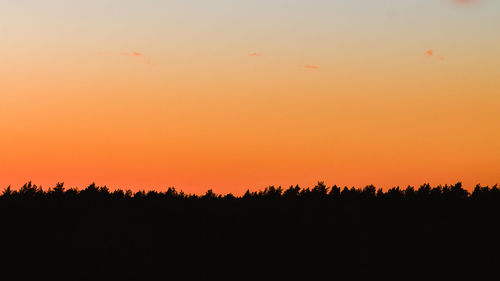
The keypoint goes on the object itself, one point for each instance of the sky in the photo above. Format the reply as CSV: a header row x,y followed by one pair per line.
x,y
232,95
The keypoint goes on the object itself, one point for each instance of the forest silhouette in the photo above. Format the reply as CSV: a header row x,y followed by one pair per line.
x,y
275,233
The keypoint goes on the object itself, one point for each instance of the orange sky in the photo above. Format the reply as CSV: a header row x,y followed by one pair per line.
x,y
264,95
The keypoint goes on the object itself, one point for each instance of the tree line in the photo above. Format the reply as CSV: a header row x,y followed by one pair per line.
x,y
275,233
318,192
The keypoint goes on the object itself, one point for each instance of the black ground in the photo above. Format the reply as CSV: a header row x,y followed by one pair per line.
x,y
310,234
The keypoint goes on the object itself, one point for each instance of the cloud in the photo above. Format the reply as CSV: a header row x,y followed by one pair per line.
x,y
311,66
430,53
139,56
464,2
133,54
254,54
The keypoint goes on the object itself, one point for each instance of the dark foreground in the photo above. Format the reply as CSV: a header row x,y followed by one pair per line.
x,y
309,234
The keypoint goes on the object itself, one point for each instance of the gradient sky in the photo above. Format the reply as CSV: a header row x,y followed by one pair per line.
x,y
240,94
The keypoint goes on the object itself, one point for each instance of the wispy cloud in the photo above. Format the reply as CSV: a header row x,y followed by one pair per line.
x,y
311,66
137,56
133,54
140,56
254,54
464,2
430,54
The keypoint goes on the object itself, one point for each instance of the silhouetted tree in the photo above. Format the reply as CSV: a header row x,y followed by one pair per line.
x,y
96,233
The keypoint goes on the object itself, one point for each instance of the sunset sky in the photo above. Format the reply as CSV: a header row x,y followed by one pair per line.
x,y
237,94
